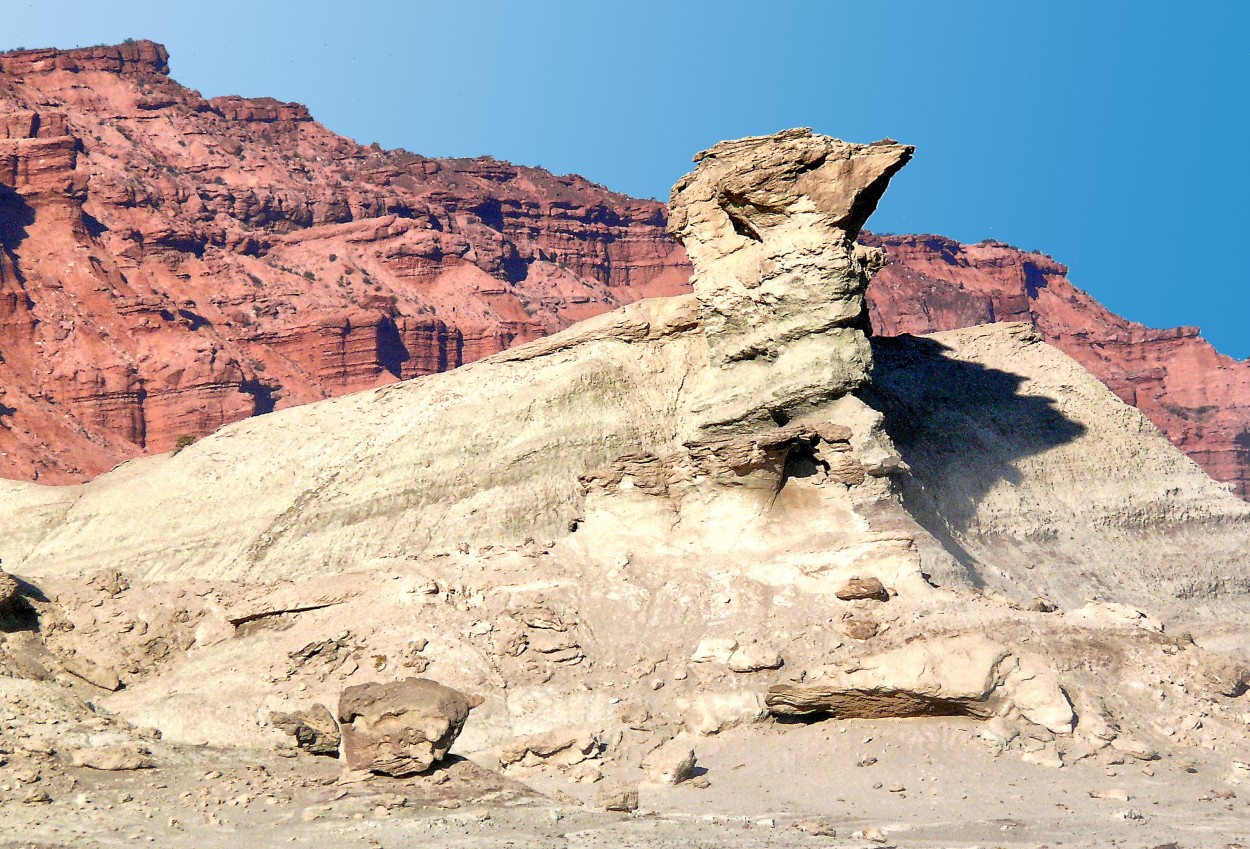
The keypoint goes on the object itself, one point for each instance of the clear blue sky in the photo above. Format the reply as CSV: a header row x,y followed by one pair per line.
x,y
1110,135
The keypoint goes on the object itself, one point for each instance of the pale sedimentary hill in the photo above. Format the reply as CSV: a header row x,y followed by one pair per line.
x,y
693,517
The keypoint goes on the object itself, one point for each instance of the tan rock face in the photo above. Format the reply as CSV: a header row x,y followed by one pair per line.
x,y
770,225
402,727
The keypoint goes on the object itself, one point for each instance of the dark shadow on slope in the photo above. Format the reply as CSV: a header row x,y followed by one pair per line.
x,y
15,216
17,614
961,426
392,352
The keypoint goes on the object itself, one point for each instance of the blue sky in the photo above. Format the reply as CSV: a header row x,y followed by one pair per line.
x,y
1110,135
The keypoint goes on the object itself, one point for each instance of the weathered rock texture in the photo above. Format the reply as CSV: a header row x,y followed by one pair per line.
x,y
402,727
554,528
770,225
169,264
958,676
314,729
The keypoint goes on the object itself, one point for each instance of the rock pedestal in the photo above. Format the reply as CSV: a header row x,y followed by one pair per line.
x,y
770,223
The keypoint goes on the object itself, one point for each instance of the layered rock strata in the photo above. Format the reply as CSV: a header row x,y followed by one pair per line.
x,y
1199,398
170,263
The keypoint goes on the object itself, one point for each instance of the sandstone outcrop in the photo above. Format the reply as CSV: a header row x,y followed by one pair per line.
x,y
957,676
770,226
1199,398
558,528
400,728
363,266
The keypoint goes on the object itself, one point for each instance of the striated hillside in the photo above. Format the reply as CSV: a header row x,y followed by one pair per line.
x,y
1197,396
170,264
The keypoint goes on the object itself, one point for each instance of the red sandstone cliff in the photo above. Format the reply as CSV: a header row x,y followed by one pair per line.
x,y
169,264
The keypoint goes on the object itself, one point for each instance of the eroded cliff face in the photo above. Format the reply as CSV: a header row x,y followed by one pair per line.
x,y
169,264
172,263
571,527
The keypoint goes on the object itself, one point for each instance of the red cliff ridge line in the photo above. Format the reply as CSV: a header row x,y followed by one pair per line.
x,y
169,264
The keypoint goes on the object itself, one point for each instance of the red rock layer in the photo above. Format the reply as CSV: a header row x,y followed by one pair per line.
x,y
170,263
1198,397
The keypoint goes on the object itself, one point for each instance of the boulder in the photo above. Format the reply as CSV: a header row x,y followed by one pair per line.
x,y
314,729
670,763
401,727
863,588
112,758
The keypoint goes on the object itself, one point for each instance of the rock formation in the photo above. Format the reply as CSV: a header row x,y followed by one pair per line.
x,y
402,727
1196,396
967,675
170,263
770,225
615,556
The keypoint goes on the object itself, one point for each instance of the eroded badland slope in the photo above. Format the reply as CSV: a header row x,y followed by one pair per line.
x,y
942,590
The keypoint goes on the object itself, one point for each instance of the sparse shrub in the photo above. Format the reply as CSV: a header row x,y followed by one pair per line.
x,y
334,257
184,441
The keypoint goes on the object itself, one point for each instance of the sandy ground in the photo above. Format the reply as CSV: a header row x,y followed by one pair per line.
x,y
920,782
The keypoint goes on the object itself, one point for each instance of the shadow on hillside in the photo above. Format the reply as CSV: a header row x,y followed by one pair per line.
x,y
961,426
16,612
15,216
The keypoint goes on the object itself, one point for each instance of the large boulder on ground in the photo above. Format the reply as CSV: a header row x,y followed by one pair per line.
x,y
401,727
